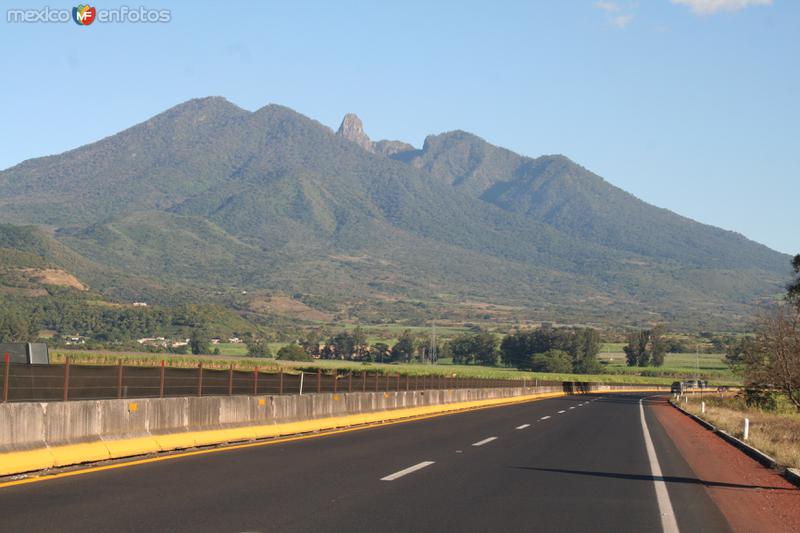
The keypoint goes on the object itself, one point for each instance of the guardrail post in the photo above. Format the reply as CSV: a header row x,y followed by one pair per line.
x,y
281,382
398,381
408,381
119,379
350,382
66,379
364,379
200,378
255,381
319,380
161,380
335,380
377,381
230,380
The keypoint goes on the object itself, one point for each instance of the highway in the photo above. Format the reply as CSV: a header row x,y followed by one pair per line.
x,y
577,463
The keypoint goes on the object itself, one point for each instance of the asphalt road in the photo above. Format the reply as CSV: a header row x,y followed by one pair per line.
x,y
566,464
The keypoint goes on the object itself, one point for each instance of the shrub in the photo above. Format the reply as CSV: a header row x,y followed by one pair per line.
x,y
293,352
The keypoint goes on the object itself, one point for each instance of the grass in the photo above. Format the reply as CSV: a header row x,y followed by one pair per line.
x,y
249,363
711,367
229,348
776,433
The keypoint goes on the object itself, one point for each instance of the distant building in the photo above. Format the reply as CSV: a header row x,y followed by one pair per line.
x,y
140,304
74,339
235,340
215,340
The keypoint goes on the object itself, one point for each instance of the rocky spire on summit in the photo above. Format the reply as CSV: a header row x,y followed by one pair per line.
x,y
352,129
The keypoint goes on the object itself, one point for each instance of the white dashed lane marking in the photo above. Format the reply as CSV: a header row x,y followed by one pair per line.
x,y
484,441
523,426
406,471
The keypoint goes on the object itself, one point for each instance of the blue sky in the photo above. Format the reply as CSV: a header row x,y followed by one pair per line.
x,y
691,105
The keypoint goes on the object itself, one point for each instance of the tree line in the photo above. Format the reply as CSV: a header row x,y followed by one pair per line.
x,y
769,360
565,350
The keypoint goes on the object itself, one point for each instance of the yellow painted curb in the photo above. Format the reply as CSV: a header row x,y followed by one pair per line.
x,y
79,453
118,448
26,461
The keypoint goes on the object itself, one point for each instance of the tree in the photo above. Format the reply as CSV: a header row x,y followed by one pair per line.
x,y
793,290
311,343
587,346
581,344
658,346
258,348
553,361
199,341
343,345
381,351
360,346
484,346
772,359
738,352
462,349
646,347
404,348
14,327
293,352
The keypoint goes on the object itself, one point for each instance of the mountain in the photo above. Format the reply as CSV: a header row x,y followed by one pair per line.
x,y
207,198
565,195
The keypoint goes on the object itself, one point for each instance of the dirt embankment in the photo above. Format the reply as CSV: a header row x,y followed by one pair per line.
x,y
53,276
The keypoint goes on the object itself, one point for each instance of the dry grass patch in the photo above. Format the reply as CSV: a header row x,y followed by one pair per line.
x,y
776,434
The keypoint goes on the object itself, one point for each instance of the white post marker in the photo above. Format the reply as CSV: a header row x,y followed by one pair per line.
x,y
484,441
406,471
703,407
301,381
746,428
668,522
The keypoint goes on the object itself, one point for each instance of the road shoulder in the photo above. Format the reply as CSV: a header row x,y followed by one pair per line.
x,y
749,496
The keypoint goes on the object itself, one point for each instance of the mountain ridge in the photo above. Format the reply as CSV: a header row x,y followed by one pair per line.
x,y
207,195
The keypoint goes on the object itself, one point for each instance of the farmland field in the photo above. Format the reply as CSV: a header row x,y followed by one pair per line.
x,y
678,365
618,372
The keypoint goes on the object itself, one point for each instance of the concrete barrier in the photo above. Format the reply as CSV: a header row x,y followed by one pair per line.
x,y
38,436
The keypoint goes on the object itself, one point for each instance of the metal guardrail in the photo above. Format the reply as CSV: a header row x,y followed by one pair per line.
x,y
26,383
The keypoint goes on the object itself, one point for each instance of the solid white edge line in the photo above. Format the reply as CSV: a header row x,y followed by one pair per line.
x,y
523,426
668,522
484,441
406,471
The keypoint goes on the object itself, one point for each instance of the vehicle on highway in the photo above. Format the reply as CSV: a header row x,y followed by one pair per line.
x,y
677,387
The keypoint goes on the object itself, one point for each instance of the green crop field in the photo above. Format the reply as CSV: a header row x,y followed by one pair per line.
x,y
446,367
677,365
229,348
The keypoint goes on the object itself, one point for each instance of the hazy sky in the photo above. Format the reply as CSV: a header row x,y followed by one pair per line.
x,y
691,105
